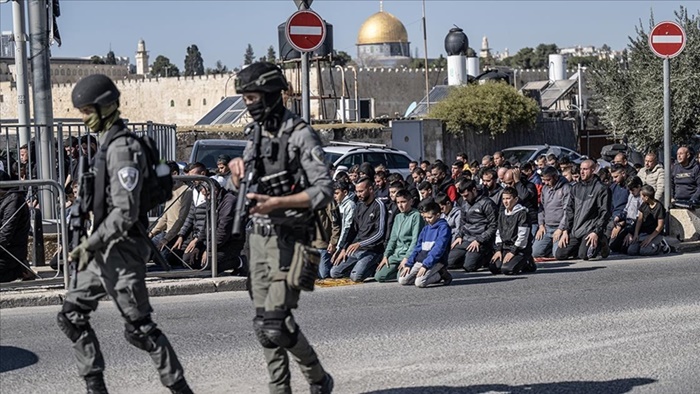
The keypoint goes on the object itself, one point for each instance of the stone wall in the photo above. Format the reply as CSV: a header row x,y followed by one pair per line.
x,y
185,100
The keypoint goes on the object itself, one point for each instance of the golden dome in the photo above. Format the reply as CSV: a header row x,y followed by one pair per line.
x,y
382,28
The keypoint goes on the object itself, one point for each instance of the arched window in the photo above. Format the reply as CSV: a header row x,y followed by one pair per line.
x,y
204,101
189,102
172,103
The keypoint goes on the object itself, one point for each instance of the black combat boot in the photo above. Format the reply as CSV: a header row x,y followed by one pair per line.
x,y
180,387
445,275
95,384
323,387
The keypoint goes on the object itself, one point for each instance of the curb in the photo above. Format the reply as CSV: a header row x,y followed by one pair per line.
x,y
26,298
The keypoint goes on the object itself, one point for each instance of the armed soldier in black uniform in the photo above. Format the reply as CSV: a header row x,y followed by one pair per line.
x,y
292,182
112,260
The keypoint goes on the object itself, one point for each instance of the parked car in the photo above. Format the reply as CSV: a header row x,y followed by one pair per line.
x,y
344,156
207,151
525,153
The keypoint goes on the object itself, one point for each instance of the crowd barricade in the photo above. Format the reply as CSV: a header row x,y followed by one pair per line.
x,y
60,221
191,180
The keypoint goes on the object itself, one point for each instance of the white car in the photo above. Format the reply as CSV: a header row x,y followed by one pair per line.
x,y
342,157
525,153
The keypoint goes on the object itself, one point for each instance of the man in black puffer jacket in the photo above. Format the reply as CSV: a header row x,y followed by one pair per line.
x,y
228,247
14,232
586,217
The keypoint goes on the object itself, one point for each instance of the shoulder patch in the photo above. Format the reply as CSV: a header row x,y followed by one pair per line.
x,y
318,154
128,177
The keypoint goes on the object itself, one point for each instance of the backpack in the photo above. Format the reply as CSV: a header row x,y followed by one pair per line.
x,y
157,185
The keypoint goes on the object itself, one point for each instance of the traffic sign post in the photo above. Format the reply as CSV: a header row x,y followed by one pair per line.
x,y
667,40
305,32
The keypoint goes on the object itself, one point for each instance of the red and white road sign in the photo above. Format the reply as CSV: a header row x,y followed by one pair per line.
x,y
667,39
306,31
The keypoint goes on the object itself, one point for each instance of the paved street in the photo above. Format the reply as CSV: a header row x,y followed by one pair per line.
x,y
612,326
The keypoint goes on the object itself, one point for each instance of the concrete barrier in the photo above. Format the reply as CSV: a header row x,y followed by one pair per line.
x,y
685,224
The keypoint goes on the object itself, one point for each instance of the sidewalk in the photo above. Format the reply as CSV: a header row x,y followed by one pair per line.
x,y
50,291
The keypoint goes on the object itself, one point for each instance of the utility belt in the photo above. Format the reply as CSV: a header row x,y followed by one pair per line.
x,y
301,270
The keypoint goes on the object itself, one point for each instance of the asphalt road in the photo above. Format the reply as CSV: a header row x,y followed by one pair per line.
x,y
612,326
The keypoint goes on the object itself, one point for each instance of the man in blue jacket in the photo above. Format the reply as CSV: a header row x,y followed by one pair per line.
x,y
428,261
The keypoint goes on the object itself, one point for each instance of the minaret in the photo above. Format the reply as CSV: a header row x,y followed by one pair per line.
x,y
142,58
485,50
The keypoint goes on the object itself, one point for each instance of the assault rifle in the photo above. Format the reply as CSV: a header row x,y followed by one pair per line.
x,y
250,178
79,213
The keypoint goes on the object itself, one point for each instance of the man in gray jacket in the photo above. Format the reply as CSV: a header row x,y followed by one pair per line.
x,y
586,218
555,198
653,175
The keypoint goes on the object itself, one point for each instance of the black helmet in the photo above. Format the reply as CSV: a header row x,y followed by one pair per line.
x,y
95,89
261,77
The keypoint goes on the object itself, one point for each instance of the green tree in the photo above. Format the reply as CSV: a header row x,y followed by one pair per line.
x,y
416,63
220,68
492,107
541,55
97,60
111,59
341,58
628,95
249,56
194,64
271,54
163,68
523,59
471,52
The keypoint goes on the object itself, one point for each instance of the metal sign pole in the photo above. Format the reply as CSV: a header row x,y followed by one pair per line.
x,y
305,87
667,132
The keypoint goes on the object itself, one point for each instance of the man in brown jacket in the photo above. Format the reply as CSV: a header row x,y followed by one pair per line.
x,y
327,236
164,233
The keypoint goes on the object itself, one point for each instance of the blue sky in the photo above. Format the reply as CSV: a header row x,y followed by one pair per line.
x,y
222,29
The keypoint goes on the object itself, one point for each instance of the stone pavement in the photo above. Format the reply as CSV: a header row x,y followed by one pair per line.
x,y
50,291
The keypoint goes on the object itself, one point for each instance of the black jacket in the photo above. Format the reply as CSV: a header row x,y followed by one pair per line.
x,y
527,197
368,227
14,219
478,221
588,209
513,234
196,223
225,241
686,181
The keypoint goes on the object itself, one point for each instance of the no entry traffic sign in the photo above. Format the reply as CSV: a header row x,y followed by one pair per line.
x,y
306,31
667,39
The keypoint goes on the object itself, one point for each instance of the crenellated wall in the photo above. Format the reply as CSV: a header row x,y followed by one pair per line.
x,y
184,100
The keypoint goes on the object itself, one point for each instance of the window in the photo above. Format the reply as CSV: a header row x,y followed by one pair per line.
x,y
351,160
63,71
80,72
204,101
189,102
397,161
376,158
172,103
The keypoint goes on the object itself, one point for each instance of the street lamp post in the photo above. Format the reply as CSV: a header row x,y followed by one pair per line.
x,y
226,84
582,127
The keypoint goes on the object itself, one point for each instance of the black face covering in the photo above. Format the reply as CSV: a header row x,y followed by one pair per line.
x,y
268,110
257,110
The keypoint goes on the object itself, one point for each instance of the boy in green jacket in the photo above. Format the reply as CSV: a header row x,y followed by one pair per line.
x,y
404,233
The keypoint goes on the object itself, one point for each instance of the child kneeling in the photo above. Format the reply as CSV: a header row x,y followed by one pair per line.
x,y
427,263
404,235
513,249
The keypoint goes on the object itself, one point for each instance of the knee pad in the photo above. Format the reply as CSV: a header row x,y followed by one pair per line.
x,y
143,334
71,330
280,328
258,323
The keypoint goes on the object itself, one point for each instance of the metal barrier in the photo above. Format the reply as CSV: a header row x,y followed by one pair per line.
x,y
211,244
62,210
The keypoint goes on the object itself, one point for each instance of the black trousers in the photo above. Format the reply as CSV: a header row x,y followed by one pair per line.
x,y
459,257
512,267
577,248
